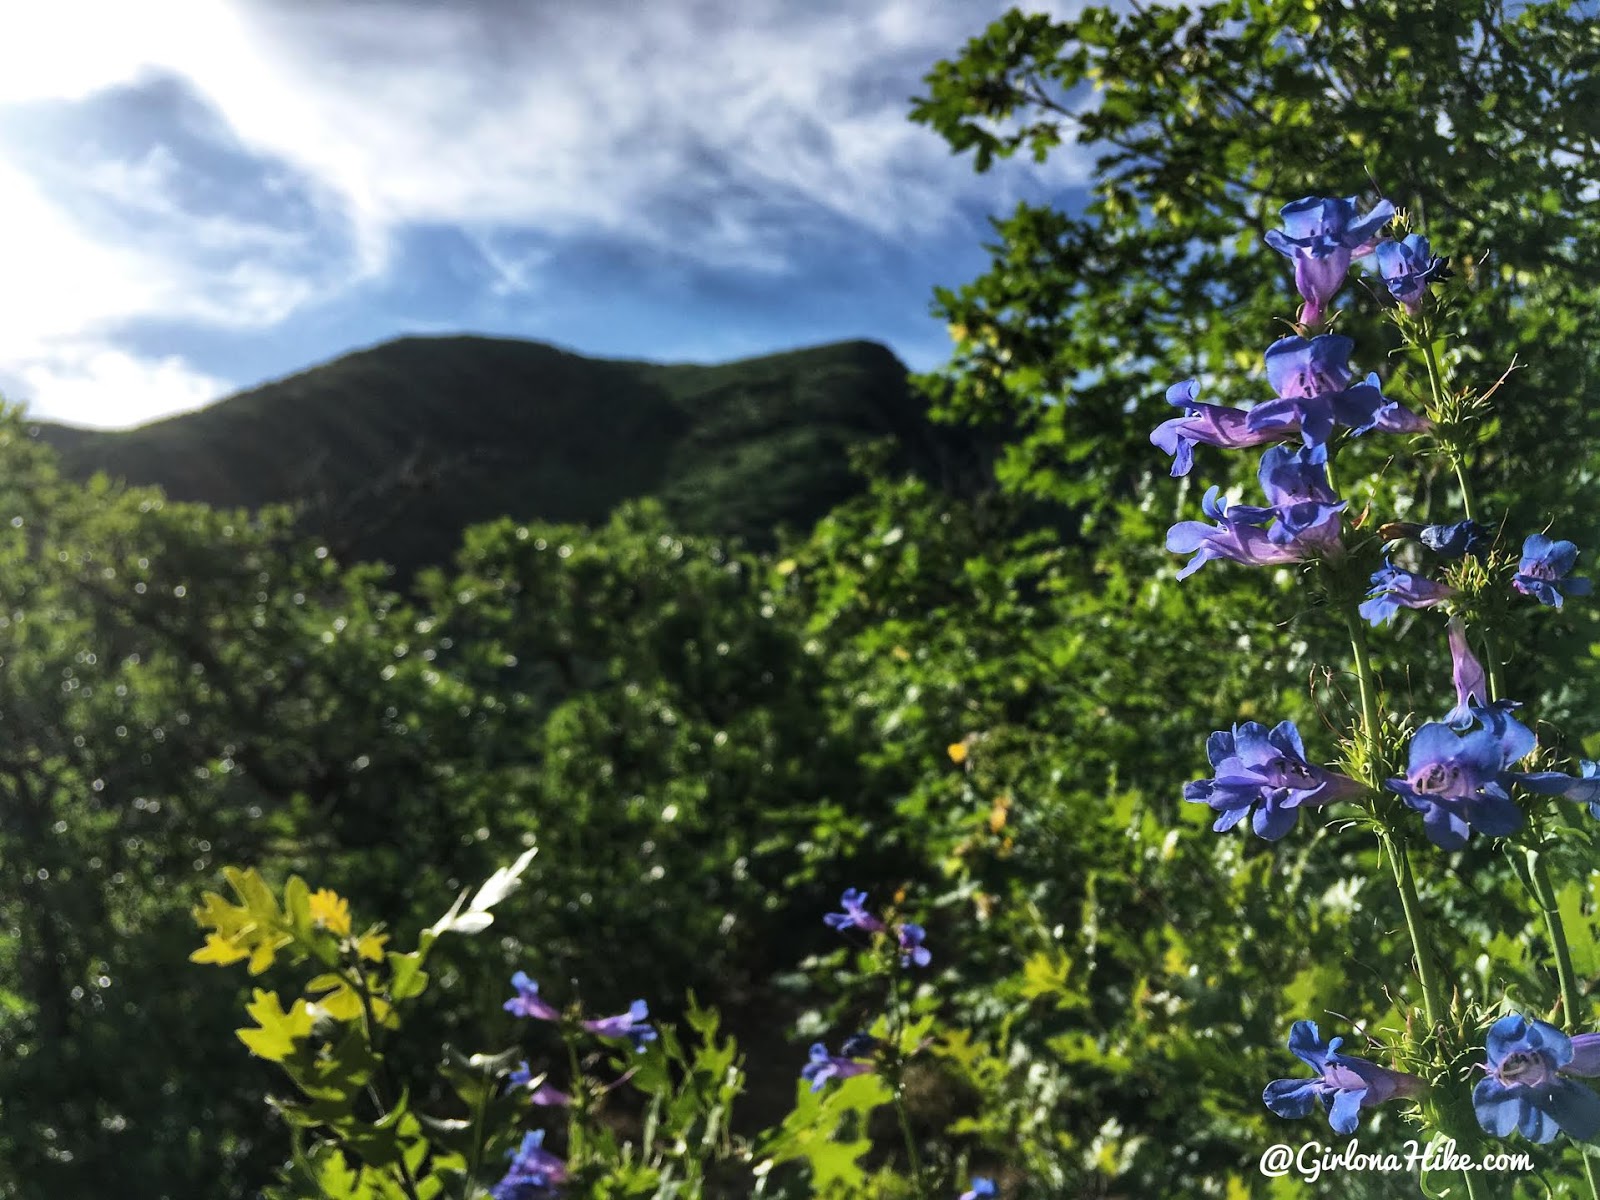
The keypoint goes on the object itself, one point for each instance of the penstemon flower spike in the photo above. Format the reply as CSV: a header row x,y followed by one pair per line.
x,y
1463,774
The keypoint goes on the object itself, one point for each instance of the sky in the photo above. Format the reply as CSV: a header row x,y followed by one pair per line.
x,y
197,196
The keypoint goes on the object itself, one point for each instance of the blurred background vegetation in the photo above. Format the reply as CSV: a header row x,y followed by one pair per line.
x,y
705,636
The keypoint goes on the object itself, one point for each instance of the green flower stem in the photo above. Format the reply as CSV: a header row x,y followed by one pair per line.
x,y
469,1184
577,1111
1406,884
913,1160
1394,851
1544,890
1469,507
1538,873
1399,859
895,1012
370,1026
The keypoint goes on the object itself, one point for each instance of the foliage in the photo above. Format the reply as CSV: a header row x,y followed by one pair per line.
x,y
391,452
980,709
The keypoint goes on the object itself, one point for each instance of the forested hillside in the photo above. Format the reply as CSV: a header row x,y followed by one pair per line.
x,y
393,451
1135,846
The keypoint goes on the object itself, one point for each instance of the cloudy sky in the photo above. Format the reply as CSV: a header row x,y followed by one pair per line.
x,y
198,195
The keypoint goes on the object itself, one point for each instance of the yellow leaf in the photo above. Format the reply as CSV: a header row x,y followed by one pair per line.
x,y
957,752
219,950
341,1004
332,911
261,957
370,947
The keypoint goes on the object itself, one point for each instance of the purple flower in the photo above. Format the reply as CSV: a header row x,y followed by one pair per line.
x,y
1394,589
1343,1083
1447,541
1321,236
1585,1055
1544,564
824,1066
1304,514
1523,1090
1407,267
1459,784
1207,424
1472,684
981,1186
1452,541
1311,379
1238,537
855,914
527,1003
1297,488
1264,775
630,1024
548,1097
911,948
534,1173
544,1094
1583,788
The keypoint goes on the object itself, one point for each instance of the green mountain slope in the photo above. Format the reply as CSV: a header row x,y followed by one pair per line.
x,y
395,449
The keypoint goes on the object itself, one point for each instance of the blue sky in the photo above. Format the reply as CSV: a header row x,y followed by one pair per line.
x,y
199,195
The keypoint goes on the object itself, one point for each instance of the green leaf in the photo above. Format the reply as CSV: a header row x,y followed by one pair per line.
x,y
276,1031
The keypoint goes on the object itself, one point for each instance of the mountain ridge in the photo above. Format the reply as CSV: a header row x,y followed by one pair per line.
x,y
393,449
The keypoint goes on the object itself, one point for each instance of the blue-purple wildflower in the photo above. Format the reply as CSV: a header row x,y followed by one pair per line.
x,y
855,914
911,948
543,1095
1264,775
1311,380
1322,236
1303,514
1583,788
982,1186
1461,784
1203,424
1472,682
534,1174
527,1002
630,1024
1447,541
1452,541
824,1066
1394,589
1585,1055
1343,1083
1544,564
1524,1089
1407,267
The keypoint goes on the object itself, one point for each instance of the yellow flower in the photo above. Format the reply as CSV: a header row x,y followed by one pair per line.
x,y
998,814
332,911
957,752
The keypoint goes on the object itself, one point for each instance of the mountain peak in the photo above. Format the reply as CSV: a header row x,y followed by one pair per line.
x,y
391,450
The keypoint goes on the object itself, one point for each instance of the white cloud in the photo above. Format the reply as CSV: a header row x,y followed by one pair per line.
x,y
100,386
724,133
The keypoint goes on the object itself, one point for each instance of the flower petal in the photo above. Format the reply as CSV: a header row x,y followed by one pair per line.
x,y
1291,1098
